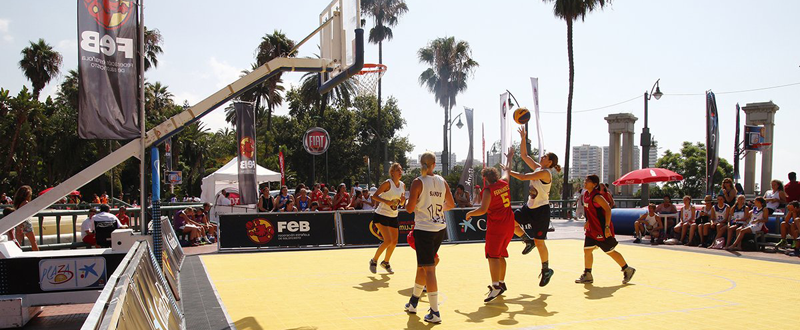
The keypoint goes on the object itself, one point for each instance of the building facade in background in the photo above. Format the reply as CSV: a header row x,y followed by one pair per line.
x,y
587,159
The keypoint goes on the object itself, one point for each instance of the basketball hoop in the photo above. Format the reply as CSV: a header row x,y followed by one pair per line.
x,y
367,79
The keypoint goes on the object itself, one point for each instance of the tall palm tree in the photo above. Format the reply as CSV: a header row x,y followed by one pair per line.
x,y
40,63
152,48
270,92
570,11
342,94
158,102
450,64
272,46
385,14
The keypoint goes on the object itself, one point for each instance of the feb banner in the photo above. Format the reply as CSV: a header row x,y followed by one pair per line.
x,y
107,65
263,230
467,174
246,137
736,146
535,86
168,154
506,120
712,141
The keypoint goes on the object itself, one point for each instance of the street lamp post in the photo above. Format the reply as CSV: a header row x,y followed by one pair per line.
x,y
459,124
646,140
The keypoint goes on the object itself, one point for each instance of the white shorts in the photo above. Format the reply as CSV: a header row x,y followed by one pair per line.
x,y
756,227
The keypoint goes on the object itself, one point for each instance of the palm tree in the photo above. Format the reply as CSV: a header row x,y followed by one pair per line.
x,y
570,11
450,64
272,46
271,92
152,48
40,63
342,94
385,13
158,101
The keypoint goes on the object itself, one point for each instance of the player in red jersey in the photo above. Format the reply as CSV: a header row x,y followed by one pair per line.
x,y
599,231
496,204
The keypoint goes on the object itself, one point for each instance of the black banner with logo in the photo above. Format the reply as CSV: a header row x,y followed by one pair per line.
x,y
277,229
107,62
246,137
358,228
467,174
712,141
473,229
168,155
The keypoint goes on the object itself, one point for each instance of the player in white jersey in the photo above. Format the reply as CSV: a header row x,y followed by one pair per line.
x,y
535,214
391,195
649,222
430,197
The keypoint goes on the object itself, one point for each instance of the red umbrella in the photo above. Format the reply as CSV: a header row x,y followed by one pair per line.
x,y
648,175
74,193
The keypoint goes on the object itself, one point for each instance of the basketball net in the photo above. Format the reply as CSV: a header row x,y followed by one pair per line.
x,y
367,79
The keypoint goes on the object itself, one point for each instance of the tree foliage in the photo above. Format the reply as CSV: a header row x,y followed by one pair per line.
x,y
690,162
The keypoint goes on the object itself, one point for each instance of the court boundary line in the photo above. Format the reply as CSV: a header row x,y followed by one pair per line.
x,y
216,294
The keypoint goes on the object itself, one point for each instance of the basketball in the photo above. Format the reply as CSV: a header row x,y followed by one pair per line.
x,y
522,115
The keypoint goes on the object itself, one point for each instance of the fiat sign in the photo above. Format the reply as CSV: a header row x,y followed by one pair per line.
x,y
316,141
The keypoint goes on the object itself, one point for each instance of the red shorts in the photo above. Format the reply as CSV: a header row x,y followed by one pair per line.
x,y
410,240
497,244
90,239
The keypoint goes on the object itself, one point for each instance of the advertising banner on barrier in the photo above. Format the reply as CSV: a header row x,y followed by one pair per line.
x,y
72,273
358,228
171,256
146,301
473,229
277,229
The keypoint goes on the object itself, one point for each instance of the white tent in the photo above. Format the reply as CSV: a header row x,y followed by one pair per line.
x,y
228,177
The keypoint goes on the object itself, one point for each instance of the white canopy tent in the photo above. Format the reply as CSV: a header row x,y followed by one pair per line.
x,y
228,177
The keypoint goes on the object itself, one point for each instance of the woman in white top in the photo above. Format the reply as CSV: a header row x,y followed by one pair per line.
x,y
536,212
776,197
687,219
429,199
367,203
740,216
719,218
392,195
757,220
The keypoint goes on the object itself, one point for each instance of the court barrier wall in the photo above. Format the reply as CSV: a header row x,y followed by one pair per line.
x,y
137,296
171,256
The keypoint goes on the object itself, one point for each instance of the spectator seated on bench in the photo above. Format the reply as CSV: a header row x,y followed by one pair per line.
x,y
720,215
649,222
104,224
183,223
687,217
705,220
668,213
789,225
87,229
756,225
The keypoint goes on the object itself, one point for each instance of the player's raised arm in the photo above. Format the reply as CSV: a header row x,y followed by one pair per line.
x,y
523,151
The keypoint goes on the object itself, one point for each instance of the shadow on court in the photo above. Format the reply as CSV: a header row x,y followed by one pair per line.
x,y
529,306
375,283
248,323
600,292
415,321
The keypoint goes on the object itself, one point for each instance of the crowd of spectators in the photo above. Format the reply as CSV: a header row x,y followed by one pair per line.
x,y
317,198
723,222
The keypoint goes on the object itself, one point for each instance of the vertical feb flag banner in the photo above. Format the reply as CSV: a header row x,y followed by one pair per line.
x,y
246,137
281,162
108,88
506,125
468,173
736,147
535,86
712,141
168,154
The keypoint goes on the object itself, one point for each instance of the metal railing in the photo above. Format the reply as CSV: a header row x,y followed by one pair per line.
x,y
49,240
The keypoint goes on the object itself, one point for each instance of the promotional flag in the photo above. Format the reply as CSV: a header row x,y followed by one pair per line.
x,y
246,137
506,120
535,86
712,141
281,162
168,155
736,147
483,146
468,173
108,70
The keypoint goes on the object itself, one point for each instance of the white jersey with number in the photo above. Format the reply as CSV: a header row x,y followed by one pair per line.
x,y
394,192
539,194
429,212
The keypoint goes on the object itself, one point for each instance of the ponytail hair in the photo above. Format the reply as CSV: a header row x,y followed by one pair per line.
x,y
554,159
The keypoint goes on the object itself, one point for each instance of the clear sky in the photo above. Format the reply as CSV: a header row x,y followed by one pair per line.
x,y
692,46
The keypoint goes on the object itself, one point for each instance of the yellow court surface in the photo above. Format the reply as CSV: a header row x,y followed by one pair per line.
x,y
333,289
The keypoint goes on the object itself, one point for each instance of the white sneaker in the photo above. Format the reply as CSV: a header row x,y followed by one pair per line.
x,y
410,308
433,317
585,278
373,266
494,292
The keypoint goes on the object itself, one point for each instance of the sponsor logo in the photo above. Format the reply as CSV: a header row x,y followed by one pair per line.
x,y
111,14
260,231
466,225
373,228
72,273
247,147
316,141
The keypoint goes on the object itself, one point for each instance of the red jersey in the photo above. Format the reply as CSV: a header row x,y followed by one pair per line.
x,y
499,217
792,191
344,202
595,217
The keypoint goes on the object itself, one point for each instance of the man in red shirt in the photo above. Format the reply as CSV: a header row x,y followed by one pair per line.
x,y
792,188
496,204
123,217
